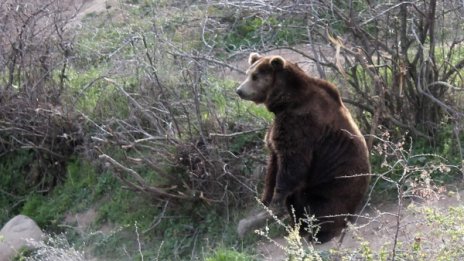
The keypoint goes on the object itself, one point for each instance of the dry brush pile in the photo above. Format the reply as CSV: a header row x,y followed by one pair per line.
x,y
34,55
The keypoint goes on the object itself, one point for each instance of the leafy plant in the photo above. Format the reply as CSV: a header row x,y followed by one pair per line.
x,y
253,32
223,254
81,188
14,185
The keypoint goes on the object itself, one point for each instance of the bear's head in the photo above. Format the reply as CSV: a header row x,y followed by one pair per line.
x,y
261,77
283,86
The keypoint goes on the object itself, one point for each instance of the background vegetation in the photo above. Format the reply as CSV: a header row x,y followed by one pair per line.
x,y
131,114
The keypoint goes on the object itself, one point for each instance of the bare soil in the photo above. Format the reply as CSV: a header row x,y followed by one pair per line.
x,y
380,229
95,7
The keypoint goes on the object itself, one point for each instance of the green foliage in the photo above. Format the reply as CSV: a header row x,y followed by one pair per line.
x,y
253,32
449,226
81,188
242,142
223,254
443,55
166,234
123,207
203,229
164,231
219,92
99,49
409,165
14,185
99,100
229,106
444,143
223,104
103,40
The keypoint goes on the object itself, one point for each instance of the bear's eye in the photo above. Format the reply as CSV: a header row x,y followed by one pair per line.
x,y
254,77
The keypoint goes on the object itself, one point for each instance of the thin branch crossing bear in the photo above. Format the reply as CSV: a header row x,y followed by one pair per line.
x,y
319,161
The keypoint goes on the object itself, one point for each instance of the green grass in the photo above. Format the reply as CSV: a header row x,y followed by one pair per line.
x,y
168,233
252,32
81,188
224,254
226,103
177,235
15,182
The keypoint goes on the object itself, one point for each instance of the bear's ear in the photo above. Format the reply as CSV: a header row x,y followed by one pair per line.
x,y
277,62
253,58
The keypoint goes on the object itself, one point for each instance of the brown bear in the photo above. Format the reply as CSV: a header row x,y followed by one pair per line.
x,y
319,161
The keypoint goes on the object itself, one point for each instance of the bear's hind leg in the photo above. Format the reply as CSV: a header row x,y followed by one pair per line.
x,y
331,215
296,209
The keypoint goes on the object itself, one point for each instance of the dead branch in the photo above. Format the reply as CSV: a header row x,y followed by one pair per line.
x,y
140,184
230,135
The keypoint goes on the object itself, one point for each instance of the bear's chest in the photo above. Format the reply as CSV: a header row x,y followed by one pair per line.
x,y
283,138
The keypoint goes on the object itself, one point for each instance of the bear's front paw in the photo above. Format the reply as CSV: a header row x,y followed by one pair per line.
x,y
277,206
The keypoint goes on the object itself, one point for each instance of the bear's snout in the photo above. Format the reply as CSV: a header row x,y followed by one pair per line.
x,y
239,92
246,91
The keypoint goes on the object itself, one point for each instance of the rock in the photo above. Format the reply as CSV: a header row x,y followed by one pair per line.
x,y
21,231
256,221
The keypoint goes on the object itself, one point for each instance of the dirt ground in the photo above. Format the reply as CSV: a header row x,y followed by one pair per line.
x,y
380,229
94,7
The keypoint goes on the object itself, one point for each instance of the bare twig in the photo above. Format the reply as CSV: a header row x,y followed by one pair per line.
x,y
140,184
230,135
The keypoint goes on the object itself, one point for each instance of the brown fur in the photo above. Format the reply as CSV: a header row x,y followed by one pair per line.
x,y
314,144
